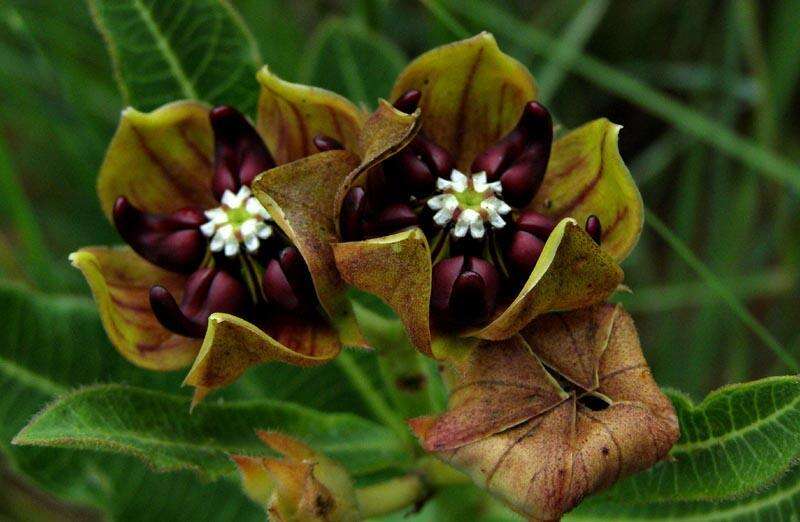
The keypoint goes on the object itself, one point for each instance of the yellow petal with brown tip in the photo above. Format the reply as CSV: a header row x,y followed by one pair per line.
x,y
572,272
472,94
232,345
120,281
396,268
160,160
299,196
586,175
290,115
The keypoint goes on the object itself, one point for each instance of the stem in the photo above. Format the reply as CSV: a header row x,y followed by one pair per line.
x,y
390,496
373,398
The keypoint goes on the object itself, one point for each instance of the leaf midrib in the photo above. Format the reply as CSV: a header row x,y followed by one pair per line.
x,y
721,439
162,42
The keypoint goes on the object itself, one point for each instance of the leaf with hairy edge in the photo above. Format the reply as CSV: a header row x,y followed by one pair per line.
x,y
541,440
184,49
781,501
739,438
158,428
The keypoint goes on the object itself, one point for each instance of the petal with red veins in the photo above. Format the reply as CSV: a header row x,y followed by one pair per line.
x,y
472,94
160,161
120,281
291,115
586,175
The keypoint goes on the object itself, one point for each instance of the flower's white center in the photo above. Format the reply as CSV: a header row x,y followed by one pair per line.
x,y
469,200
240,219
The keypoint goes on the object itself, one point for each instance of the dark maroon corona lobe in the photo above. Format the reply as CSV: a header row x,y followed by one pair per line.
x,y
408,101
239,152
464,290
286,282
207,291
519,159
351,214
325,143
594,229
170,241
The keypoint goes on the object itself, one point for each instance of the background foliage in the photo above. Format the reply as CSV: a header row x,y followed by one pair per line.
x,y
707,92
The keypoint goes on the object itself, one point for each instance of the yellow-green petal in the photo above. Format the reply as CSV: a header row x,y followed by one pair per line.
x,y
472,94
232,345
300,196
120,281
290,115
572,272
160,160
586,175
396,268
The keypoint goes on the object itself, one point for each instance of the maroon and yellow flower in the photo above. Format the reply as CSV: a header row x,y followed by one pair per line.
x,y
207,276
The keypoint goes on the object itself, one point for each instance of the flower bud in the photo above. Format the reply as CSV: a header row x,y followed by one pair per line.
x,y
464,290
594,229
351,216
408,101
325,143
239,152
173,242
207,291
519,159
287,283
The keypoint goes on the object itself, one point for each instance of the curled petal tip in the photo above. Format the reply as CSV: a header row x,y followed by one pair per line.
x,y
325,143
408,101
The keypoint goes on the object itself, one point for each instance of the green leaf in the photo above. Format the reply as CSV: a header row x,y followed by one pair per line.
x,y
166,51
739,439
160,430
346,58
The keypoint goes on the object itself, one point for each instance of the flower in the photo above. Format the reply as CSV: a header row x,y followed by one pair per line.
x,y
564,408
467,217
207,275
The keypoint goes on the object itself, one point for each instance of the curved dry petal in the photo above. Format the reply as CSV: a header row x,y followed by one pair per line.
x,y
586,175
472,94
544,465
396,268
299,198
572,272
160,160
290,115
120,282
302,486
386,131
232,345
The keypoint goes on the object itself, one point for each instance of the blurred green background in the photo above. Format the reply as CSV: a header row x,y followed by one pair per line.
x,y
707,92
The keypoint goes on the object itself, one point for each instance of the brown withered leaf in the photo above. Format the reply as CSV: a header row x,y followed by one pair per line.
x,y
539,446
298,196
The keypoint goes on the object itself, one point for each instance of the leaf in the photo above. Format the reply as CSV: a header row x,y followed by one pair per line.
x,y
778,502
159,429
541,440
735,441
348,58
185,49
37,363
